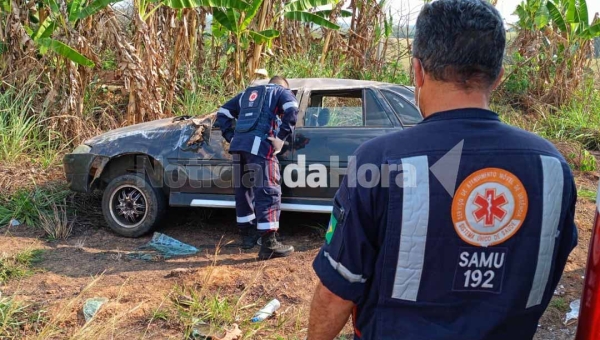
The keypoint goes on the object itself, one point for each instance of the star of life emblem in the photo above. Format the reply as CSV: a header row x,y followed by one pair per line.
x,y
489,207
253,96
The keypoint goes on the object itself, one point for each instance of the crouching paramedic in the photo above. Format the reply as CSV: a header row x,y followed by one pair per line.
x,y
265,116
461,226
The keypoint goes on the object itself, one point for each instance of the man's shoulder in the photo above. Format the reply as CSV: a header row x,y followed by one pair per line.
x,y
528,140
431,137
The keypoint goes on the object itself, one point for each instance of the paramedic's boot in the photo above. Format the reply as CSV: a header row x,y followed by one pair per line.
x,y
271,248
249,237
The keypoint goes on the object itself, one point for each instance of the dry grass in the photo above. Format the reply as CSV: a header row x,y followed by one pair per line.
x,y
57,224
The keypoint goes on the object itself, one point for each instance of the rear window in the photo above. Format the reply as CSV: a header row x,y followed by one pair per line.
x,y
408,114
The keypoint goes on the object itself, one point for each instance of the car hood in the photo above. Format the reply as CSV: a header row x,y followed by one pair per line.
x,y
148,131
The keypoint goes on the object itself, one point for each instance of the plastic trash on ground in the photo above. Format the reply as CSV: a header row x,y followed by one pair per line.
x,y
14,223
91,307
574,313
163,247
266,311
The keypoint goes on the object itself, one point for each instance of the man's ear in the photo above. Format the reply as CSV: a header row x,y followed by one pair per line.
x,y
419,72
499,80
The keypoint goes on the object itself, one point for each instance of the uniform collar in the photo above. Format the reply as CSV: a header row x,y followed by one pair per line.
x,y
467,113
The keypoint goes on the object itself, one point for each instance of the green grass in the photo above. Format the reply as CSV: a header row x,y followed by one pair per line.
x,y
26,205
559,303
24,132
12,317
587,194
19,265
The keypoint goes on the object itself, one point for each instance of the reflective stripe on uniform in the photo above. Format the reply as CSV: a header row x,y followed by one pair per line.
x,y
246,219
225,112
346,274
255,145
268,226
289,105
413,238
552,199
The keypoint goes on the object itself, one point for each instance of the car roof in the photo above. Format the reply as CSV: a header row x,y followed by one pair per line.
x,y
328,83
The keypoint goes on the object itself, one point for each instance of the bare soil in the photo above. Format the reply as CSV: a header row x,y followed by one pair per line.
x,y
139,288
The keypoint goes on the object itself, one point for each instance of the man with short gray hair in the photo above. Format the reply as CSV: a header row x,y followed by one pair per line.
x,y
469,230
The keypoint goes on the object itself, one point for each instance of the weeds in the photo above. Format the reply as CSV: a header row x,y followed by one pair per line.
x,y
587,194
560,303
12,315
22,130
27,205
57,224
18,265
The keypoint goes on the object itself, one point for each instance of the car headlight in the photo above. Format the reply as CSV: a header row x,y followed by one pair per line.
x,y
82,149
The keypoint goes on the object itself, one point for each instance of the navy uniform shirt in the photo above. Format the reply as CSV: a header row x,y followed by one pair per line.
x,y
463,234
279,101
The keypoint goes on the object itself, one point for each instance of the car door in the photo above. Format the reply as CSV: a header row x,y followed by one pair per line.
x,y
207,169
333,125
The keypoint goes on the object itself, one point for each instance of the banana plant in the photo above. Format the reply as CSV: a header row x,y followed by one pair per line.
x,y
300,10
76,10
571,18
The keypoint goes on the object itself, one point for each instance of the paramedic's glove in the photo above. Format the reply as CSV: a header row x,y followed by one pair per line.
x,y
277,144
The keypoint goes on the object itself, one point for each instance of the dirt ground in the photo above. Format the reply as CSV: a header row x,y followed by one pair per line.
x,y
137,289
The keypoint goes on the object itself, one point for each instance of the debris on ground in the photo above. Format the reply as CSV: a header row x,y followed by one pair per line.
x,y
560,291
163,247
266,311
179,272
203,332
14,223
91,307
574,313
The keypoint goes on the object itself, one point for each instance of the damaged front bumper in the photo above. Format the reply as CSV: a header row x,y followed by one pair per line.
x,y
82,170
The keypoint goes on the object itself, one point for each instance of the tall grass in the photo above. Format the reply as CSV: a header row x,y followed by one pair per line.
x,y
27,205
22,130
18,265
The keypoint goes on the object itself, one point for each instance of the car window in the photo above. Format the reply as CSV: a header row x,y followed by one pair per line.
x,y
375,114
335,109
408,114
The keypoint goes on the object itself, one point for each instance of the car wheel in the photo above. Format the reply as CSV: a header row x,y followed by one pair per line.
x,y
131,206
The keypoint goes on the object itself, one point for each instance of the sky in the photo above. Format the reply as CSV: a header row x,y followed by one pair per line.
x,y
506,7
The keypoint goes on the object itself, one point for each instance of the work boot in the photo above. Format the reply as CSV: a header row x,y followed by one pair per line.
x,y
271,248
249,238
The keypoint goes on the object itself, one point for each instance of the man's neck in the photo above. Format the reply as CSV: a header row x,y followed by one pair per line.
x,y
444,97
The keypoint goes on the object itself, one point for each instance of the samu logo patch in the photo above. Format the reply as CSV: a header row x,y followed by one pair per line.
x,y
489,207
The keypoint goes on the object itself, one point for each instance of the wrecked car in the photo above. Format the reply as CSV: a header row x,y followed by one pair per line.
x,y
183,161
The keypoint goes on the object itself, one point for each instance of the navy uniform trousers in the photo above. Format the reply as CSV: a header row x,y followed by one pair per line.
x,y
257,183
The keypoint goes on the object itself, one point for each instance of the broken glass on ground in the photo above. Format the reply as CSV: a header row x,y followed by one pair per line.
x,y
91,307
162,247
574,313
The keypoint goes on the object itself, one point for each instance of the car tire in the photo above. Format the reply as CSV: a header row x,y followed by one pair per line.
x,y
132,206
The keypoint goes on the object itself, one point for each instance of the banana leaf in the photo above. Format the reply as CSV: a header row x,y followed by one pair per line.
x,y
303,5
556,16
311,18
179,4
95,7
73,8
45,30
65,51
263,36
326,13
251,13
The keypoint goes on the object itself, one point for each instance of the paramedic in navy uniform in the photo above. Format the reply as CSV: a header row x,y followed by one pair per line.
x,y
465,231
265,116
